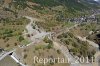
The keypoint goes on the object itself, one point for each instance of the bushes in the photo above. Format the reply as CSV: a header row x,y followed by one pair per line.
x,y
58,51
67,42
49,46
76,46
20,4
7,45
20,38
6,33
46,3
64,35
25,56
47,40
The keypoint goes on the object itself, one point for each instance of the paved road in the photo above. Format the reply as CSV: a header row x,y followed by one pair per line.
x,y
4,54
16,60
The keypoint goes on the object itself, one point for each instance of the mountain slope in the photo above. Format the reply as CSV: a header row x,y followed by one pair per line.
x,y
75,4
90,3
69,8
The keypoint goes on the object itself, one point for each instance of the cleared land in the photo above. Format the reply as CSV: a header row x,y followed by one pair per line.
x,y
40,50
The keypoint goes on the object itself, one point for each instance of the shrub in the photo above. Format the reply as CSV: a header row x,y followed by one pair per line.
x,y
20,38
